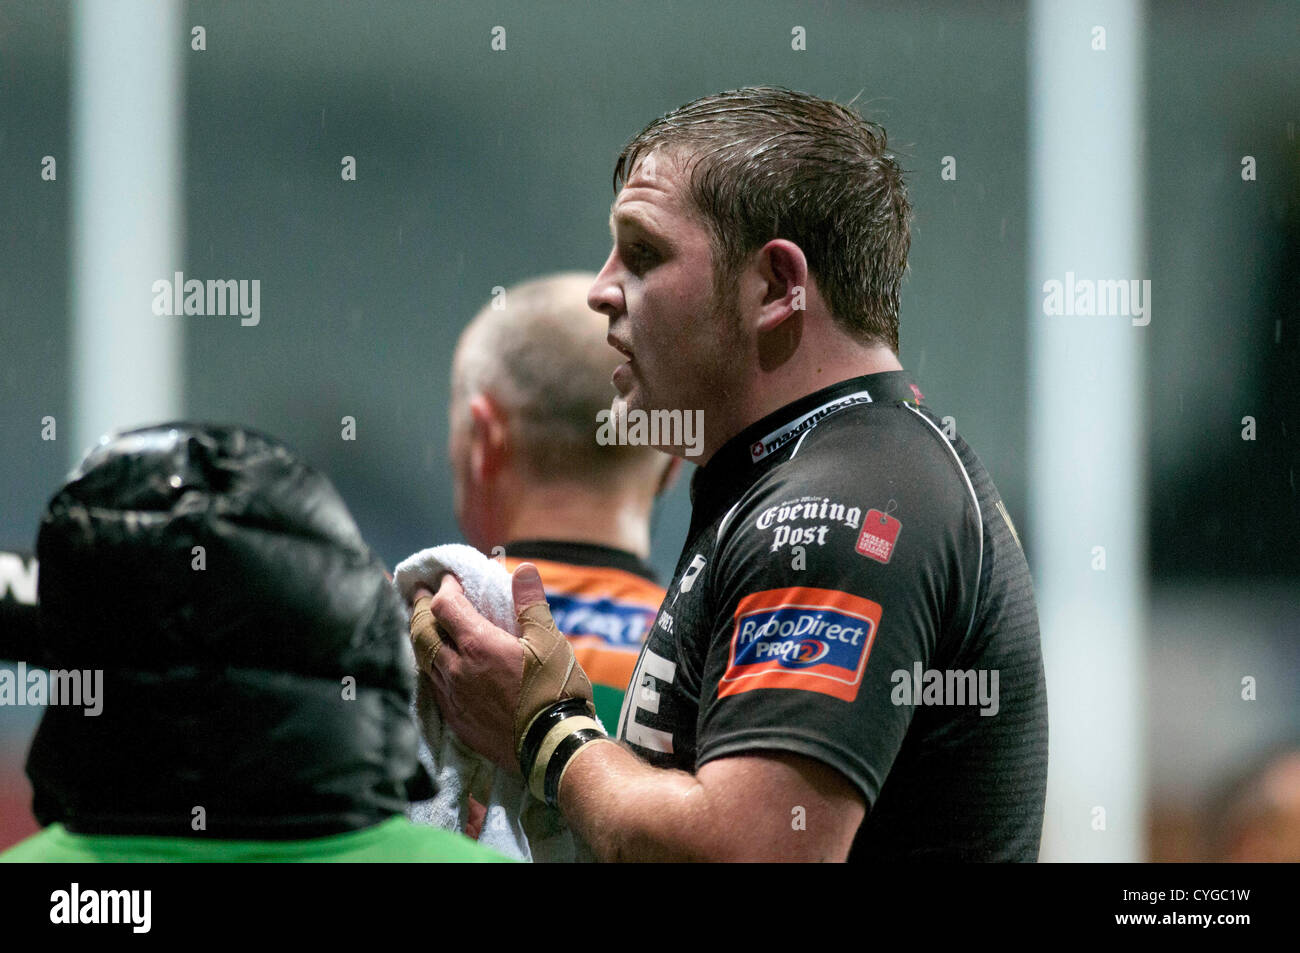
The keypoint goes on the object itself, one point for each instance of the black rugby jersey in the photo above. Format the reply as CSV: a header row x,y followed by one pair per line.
x,y
852,589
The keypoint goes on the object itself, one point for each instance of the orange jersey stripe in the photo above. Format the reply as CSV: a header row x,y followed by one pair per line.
x,y
603,665
616,584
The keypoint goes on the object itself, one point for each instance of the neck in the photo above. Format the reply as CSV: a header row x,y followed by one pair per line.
x,y
798,377
575,514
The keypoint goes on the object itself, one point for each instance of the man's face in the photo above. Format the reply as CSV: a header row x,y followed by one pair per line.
x,y
656,288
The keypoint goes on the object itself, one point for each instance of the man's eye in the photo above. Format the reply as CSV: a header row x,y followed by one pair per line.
x,y
638,257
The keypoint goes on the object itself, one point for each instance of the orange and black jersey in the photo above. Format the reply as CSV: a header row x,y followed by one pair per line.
x,y
604,600
852,590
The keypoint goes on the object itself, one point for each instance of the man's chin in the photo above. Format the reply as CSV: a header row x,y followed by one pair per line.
x,y
623,377
630,395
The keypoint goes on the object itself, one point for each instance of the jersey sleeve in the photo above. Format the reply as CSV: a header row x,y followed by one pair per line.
x,y
833,581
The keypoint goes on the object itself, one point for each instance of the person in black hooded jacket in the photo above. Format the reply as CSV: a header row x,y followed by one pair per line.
x,y
256,676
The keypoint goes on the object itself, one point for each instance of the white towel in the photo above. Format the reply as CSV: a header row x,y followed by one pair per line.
x,y
517,824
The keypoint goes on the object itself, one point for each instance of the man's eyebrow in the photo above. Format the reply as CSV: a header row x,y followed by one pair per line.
x,y
629,220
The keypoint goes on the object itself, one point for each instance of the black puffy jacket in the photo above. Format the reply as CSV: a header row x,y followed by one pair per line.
x,y
226,687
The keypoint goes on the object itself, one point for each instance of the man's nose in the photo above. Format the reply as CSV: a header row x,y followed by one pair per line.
x,y
605,296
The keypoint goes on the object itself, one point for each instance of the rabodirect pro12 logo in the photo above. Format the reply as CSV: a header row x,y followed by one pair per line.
x,y
804,638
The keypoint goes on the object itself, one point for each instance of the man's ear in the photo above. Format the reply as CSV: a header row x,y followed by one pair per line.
x,y
669,476
783,270
489,444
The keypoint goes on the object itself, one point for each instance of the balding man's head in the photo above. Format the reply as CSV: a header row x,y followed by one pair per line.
x,y
1257,816
540,355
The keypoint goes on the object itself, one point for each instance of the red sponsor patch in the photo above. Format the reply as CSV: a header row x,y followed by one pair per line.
x,y
879,533
816,640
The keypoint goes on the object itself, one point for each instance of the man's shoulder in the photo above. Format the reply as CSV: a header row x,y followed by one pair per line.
x,y
593,572
891,436
860,460
874,502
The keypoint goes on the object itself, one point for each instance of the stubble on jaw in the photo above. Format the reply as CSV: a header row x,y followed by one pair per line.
x,y
726,352
706,387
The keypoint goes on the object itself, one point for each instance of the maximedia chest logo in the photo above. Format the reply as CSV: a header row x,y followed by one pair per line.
x,y
214,297
74,905
778,438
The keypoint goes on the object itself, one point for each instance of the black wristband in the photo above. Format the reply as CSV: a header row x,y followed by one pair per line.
x,y
563,752
547,719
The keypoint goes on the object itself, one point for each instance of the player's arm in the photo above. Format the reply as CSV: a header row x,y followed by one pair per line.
x,y
771,806
522,703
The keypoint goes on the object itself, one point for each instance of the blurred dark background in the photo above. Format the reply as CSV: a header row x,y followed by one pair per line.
x,y
476,170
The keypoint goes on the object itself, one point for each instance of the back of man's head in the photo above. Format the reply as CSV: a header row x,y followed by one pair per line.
x,y
1255,817
256,683
540,354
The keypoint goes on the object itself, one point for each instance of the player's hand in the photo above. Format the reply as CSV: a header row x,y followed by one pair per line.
x,y
476,669
490,686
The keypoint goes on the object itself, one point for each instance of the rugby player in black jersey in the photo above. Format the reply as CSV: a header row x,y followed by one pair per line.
x,y
847,663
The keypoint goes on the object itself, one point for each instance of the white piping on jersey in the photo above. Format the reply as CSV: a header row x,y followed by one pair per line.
x,y
800,443
979,514
723,525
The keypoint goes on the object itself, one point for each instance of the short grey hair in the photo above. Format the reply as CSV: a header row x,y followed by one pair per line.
x,y
541,354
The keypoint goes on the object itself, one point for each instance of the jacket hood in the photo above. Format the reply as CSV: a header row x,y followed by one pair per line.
x,y
253,652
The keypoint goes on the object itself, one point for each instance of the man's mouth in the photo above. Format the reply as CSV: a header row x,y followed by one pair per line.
x,y
619,346
624,374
